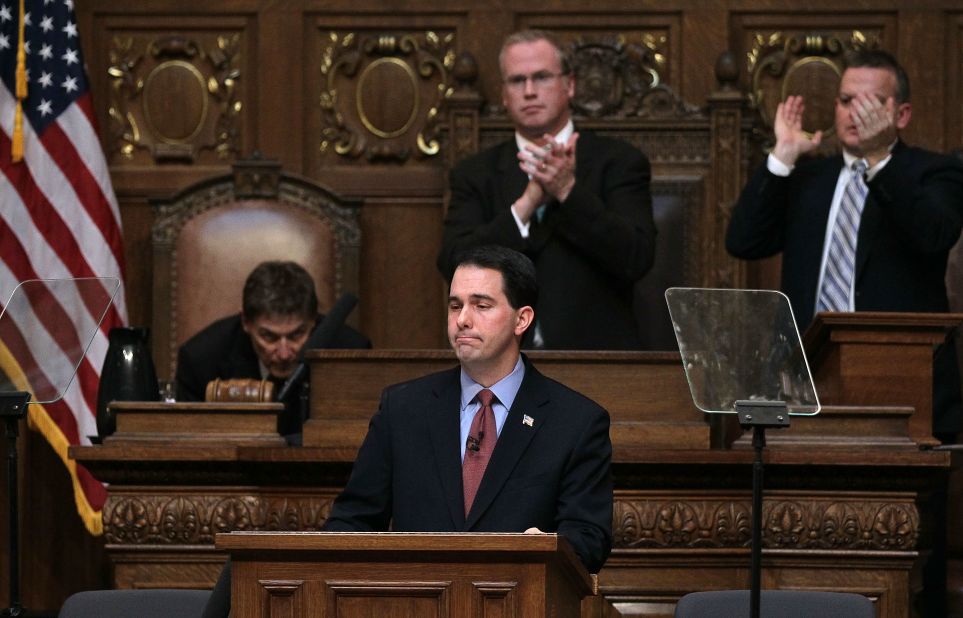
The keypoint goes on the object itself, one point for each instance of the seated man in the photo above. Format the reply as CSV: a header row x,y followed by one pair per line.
x,y
279,309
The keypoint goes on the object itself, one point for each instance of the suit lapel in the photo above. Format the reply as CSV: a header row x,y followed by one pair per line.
x,y
445,432
868,229
531,401
512,180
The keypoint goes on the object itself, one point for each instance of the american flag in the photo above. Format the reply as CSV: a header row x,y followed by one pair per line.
x,y
58,213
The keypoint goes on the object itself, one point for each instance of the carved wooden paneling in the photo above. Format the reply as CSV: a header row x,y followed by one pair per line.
x,y
372,598
283,598
654,39
494,600
383,94
858,522
175,93
192,518
802,54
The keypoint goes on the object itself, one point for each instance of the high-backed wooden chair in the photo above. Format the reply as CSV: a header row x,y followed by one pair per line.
x,y
208,237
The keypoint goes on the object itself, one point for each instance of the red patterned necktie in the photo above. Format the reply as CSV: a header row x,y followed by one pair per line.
x,y
479,447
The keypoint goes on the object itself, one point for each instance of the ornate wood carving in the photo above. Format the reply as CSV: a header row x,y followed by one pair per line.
x,y
728,154
780,64
803,522
463,106
659,522
174,97
193,519
617,79
383,94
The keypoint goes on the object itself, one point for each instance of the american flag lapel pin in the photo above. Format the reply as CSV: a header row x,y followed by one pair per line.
x,y
528,420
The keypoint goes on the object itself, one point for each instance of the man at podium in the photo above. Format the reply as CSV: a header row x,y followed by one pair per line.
x,y
491,445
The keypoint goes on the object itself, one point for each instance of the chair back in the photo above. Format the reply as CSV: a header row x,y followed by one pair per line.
x,y
208,238
158,603
775,603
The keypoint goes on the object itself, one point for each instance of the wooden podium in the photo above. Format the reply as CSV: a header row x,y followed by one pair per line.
x,y
401,575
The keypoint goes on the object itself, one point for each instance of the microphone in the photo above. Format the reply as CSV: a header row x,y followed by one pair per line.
x,y
474,444
322,337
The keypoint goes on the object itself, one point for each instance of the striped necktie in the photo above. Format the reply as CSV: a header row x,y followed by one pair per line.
x,y
841,260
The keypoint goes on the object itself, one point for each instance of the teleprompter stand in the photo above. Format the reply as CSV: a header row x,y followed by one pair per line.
x,y
742,354
46,326
13,407
759,416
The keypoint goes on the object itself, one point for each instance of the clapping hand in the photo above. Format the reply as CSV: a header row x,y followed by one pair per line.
x,y
791,140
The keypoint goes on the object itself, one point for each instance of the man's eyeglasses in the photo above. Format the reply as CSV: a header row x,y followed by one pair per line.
x,y
540,79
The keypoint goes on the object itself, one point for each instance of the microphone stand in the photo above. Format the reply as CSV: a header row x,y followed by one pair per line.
x,y
322,337
13,407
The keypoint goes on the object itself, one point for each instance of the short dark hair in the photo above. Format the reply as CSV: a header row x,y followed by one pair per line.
x,y
279,288
531,36
879,59
518,272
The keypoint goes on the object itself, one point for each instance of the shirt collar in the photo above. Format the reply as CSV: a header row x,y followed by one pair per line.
x,y
505,389
849,159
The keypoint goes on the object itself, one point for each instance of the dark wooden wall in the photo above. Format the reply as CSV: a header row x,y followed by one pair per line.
x,y
184,88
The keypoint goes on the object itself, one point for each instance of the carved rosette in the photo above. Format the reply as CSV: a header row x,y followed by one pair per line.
x,y
383,95
174,97
803,523
195,519
781,64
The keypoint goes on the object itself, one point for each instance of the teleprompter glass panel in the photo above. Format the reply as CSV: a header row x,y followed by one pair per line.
x,y
741,345
46,327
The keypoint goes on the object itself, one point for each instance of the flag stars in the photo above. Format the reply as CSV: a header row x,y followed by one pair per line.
x,y
26,19
70,30
5,14
45,108
46,24
46,79
4,41
70,57
46,51
69,4
70,84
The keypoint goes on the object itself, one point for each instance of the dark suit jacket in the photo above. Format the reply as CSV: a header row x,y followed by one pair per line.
x,y
554,474
589,251
223,350
912,218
